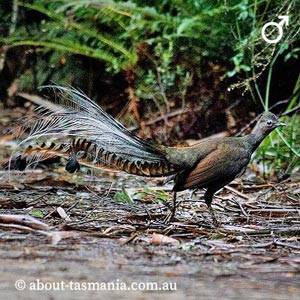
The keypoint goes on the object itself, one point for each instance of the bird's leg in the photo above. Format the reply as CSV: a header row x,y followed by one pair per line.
x,y
208,196
172,213
212,214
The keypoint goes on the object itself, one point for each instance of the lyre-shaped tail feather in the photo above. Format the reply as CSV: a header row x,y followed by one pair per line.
x,y
90,137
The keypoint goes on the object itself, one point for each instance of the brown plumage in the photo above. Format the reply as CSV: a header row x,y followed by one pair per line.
x,y
217,161
99,141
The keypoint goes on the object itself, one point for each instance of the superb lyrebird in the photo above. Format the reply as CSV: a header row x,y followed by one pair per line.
x,y
83,133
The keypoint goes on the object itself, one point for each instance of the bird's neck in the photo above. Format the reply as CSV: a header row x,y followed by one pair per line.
x,y
256,137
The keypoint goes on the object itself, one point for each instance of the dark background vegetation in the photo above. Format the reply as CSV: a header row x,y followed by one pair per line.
x,y
170,70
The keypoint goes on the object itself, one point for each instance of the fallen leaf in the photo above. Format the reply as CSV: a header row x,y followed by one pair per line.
x,y
62,213
160,239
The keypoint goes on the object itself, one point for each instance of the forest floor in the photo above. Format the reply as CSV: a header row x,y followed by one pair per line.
x,y
83,236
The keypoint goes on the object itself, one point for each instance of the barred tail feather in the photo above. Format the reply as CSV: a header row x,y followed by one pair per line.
x,y
83,152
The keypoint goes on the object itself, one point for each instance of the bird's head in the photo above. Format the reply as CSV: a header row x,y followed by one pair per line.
x,y
267,122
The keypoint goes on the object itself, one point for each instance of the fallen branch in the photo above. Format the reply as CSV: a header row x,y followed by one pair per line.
x,y
24,220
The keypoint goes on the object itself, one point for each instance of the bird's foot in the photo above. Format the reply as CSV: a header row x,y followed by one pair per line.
x,y
213,216
170,216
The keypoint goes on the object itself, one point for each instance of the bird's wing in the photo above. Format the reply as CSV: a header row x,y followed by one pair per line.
x,y
217,168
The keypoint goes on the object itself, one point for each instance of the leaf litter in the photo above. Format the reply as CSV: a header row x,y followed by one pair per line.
x,y
64,217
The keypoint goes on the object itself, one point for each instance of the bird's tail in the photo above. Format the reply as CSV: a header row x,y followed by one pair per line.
x,y
83,133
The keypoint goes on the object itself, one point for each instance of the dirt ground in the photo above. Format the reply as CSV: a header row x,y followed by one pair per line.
x,y
60,232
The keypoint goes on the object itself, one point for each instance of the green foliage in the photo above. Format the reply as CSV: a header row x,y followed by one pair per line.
x,y
162,41
37,213
124,197
75,31
115,32
280,151
253,56
129,196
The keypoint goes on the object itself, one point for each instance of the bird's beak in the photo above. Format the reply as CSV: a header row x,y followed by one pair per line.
x,y
281,124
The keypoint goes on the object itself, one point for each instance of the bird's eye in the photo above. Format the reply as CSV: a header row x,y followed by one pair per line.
x,y
269,123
